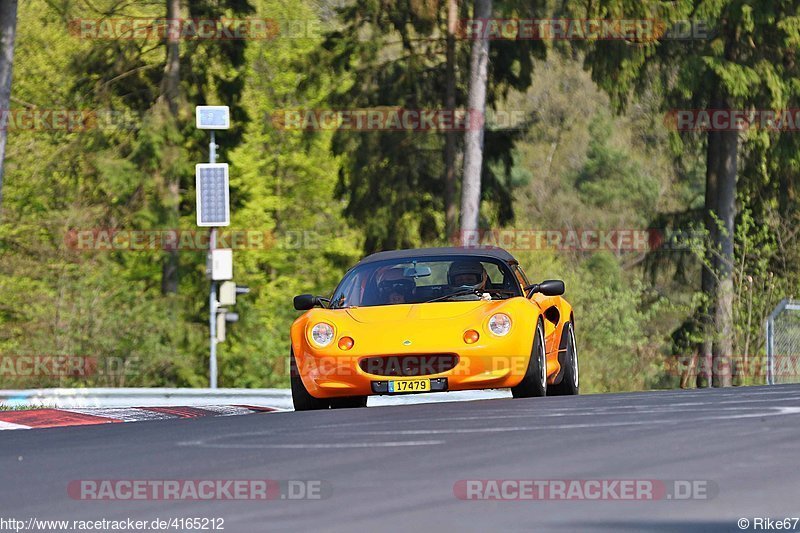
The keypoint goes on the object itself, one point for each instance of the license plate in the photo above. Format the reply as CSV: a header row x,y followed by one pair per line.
x,y
410,385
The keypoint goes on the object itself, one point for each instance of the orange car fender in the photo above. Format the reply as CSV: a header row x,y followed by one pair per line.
x,y
556,312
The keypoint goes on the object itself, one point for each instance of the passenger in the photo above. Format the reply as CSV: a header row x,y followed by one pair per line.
x,y
396,298
394,288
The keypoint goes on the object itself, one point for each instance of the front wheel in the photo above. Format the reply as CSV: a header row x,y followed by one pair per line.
x,y
301,398
534,384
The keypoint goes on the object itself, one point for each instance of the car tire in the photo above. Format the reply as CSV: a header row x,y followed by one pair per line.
x,y
534,384
301,398
349,402
569,384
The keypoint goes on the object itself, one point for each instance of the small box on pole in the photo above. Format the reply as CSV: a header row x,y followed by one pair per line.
x,y
221,264
227,293
221,329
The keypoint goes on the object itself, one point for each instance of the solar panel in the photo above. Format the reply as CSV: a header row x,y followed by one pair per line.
x,y
213,199
212,117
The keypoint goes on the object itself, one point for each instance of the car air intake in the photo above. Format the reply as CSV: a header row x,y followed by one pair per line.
x,y
409,365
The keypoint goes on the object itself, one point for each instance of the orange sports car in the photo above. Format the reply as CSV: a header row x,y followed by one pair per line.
x,y
429,320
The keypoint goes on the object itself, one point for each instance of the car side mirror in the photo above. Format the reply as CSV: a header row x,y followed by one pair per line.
x,y
549,287
304,302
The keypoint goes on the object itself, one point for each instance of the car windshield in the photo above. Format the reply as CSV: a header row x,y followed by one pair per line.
x,y
425,279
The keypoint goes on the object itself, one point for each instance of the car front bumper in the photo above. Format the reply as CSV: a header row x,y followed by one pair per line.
x,y
327,376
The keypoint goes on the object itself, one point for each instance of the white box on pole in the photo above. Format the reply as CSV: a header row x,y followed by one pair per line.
x,y
221,261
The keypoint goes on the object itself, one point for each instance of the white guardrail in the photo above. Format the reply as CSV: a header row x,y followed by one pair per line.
x,y
134,397
145,397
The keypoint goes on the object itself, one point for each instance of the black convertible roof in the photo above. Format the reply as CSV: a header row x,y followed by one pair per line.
x,y
469,251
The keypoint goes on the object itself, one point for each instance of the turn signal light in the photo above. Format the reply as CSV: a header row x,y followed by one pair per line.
x,y
471,336
345,343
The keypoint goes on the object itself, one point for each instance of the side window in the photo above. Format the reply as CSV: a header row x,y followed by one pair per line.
x,y
521,277
344,296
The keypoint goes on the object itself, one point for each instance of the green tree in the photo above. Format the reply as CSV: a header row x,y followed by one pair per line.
x,y
741,66
393,54
284,181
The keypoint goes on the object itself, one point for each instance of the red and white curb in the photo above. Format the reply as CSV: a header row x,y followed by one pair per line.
x,y
50,418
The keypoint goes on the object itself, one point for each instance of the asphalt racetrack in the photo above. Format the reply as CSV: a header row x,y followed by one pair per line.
x,y
405,467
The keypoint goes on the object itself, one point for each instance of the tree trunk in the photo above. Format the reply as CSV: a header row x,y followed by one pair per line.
x,y
172,70
726,208
8,30
709,275
473,149
450,210
728,146
170,91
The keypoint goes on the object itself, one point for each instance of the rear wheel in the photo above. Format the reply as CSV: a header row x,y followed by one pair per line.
x,y
301,398
534,384
569,380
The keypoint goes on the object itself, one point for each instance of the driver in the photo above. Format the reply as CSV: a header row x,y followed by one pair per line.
x,y
467,273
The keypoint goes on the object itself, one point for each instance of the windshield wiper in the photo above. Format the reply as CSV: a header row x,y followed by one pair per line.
x,y
472,290
461,292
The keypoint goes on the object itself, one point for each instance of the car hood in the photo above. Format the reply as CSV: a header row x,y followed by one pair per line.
x,y
424,311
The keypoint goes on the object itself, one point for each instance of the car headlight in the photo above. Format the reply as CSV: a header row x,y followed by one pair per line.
x,y
322,334
500,324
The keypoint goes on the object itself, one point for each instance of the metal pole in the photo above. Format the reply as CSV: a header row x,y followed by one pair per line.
x,y
770,354
212,149
212,299
212,320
